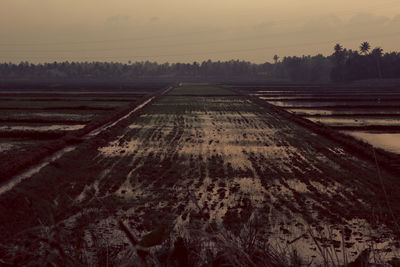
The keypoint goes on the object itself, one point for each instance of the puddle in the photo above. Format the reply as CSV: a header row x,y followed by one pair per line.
x,y
5,147
387,141
339,103
42,128
348,112
355,121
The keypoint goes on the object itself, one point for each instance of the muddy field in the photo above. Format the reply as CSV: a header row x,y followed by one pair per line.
x,y
38,120
205,160
361,112
41,112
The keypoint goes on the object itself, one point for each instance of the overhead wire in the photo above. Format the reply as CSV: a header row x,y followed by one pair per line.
x,y
180,44
227,51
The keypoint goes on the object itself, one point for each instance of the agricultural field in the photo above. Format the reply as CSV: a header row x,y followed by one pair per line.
x,y
368,114
35,123
196,161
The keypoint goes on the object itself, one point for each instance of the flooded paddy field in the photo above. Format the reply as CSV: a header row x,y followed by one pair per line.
x,y
207,162
67,116
39,127
365,111
13,144
47,120
57,107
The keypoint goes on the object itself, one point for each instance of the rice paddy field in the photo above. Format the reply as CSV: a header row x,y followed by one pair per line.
x,y
37,122
25,118
206,159
369,114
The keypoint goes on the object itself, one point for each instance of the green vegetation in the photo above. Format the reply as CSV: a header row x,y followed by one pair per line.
x,y
200,90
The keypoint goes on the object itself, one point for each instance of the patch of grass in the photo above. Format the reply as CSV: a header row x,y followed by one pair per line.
x,y
200,90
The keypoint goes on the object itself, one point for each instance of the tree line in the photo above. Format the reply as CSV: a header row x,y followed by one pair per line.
x,y
341,66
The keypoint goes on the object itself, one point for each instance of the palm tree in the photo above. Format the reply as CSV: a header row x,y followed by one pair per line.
x,y
338,49
339,54
377,53
276,58
364,47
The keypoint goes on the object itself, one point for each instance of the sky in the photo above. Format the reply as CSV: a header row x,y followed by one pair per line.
x,y
41,31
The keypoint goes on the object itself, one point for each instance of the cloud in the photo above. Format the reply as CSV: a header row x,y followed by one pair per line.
x,y
117,19
362,19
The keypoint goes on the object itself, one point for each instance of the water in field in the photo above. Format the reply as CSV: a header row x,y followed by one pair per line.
x,y
342,112
60,104
48,115
336,93
13,144
387,141
331,104
41,128
345,107
6,146
348,121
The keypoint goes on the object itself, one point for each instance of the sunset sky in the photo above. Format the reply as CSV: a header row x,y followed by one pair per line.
x,y
188,30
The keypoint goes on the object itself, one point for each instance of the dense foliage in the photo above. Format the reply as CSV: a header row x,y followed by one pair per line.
x,y
342,65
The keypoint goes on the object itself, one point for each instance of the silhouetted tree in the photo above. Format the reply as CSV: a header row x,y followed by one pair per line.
x,y
364,47
338,49
276,58
338,59
343,65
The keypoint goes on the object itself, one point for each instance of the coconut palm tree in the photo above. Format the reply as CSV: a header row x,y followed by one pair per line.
x,y
364,47
338,49
339,54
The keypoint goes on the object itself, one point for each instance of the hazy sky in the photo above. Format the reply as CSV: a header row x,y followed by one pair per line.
x,y
190,30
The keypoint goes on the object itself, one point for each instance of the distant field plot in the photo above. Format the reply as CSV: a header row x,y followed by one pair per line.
x,y
200,90
360,121
338,104
14,144
346,108
335,112
39,127
70,116
30,117
60,105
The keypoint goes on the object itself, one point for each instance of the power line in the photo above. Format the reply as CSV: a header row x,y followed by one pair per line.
x,y
159,37
244,50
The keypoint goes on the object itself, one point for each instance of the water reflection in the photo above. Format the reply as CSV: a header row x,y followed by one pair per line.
x,y
387,141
